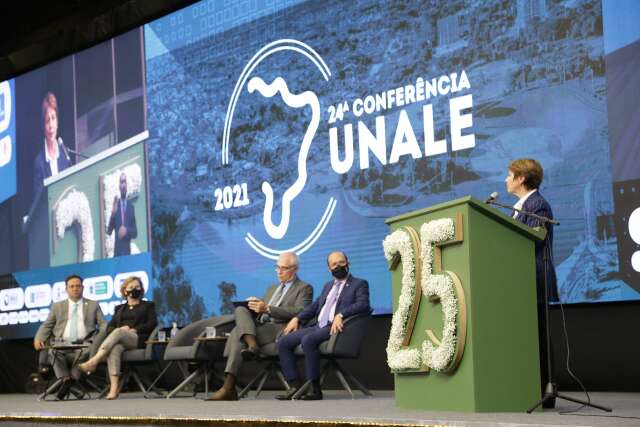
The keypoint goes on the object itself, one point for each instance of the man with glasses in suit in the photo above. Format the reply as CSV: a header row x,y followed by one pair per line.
x,y
263,320
73,320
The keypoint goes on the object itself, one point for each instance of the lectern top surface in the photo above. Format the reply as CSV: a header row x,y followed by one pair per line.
x,y
494,213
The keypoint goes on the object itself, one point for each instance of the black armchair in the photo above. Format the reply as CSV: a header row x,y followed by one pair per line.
x,y
132,360
268,356
344,345
185,350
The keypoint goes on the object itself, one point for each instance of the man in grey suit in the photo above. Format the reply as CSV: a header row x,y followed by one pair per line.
x,y
262,322
71,320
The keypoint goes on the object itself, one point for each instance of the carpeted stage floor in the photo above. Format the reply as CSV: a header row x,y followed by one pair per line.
x,y
337,409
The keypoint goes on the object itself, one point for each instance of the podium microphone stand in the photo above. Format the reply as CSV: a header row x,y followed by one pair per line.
x,y
551,388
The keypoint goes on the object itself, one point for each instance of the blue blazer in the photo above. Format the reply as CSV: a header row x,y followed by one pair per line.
x,y
123,246
42,170
538,205
354,299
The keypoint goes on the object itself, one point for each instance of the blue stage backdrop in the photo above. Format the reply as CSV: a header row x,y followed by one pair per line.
x,y
305,127
302,125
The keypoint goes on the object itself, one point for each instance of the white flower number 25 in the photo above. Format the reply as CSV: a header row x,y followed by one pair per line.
x,y
404,244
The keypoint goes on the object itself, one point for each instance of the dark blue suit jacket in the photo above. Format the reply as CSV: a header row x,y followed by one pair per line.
x,y
123,246
42,170
538,205
354,299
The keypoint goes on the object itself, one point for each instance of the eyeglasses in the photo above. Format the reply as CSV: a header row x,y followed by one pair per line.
x,y
285,268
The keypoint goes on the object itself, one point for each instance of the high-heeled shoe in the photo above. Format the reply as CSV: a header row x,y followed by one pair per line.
x,y
110,397
84,368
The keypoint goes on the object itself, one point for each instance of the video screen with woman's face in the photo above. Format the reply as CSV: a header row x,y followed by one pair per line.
x,y
81,196
71,117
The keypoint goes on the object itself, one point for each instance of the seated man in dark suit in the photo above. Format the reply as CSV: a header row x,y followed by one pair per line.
x,y
341,297
70,320
263,321
123,221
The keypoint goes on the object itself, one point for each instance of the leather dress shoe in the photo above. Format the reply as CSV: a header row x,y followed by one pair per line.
x,y
63,391
549,403
288,395
77,392
223,394
312,395
250,354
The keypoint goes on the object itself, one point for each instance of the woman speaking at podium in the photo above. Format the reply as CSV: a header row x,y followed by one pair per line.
x,y
523,181
53,158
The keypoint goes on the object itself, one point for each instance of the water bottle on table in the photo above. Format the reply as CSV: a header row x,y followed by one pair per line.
x,y
174,330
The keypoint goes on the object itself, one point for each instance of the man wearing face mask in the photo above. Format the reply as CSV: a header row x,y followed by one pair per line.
x,y
341,297
123,221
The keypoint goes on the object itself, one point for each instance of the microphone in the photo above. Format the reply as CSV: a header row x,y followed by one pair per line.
x,y
492,197
69,150
64,149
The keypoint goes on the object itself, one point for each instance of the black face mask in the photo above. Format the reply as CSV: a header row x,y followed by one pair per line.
x,y
134,293
340,272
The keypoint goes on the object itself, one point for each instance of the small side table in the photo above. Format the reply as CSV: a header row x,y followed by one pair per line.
x,y
211,345
158,351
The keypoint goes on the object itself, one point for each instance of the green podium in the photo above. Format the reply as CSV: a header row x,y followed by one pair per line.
x,y
491,262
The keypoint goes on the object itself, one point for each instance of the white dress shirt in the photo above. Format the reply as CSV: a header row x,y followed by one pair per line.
x,y
53,162
520,203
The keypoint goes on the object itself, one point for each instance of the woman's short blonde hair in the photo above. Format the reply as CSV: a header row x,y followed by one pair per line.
x,y
49,102
530,170
128,280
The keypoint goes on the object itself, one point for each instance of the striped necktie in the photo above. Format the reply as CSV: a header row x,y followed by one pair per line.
x,y
326,315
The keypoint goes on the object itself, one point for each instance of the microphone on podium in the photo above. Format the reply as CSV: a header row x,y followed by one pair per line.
x,y
492,198
64,149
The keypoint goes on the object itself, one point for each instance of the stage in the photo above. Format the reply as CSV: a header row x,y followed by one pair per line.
x,y
337,409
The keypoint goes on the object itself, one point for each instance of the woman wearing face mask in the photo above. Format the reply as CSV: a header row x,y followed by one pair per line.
x,y
130,326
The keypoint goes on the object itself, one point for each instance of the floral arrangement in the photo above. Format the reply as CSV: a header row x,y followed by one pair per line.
x,y
440,356
399,358
441,286
74,208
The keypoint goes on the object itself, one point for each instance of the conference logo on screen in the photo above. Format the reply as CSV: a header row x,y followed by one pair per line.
x,y
413,135
7,140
